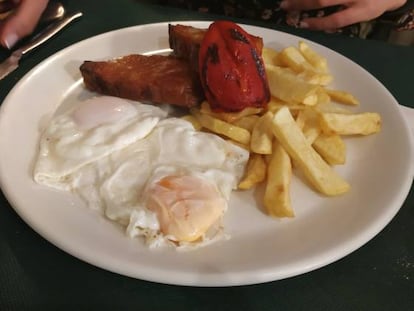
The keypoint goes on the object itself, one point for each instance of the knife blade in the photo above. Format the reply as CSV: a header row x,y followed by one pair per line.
x,y
12,62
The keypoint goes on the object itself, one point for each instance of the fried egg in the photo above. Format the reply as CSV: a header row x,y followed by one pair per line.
x,y
171,187
89,131
157,177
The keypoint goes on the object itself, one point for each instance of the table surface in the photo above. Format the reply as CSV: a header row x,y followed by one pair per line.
x,y
34,274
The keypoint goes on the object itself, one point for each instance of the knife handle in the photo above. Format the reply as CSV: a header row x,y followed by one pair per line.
x,y
48,32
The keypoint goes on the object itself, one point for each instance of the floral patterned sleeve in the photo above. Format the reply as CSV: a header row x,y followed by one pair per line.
x,y
401,19
406,21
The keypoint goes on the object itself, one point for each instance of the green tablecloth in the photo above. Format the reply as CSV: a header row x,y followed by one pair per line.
x,y
34,274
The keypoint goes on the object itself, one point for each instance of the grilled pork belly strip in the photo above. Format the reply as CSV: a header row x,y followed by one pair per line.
x,y
185,42
158,79
155,78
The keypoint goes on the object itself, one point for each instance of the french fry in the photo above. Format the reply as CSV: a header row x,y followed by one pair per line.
x,y
262,136
270,57
247,122
310,128
245,147
331,107
319,62
331,147
323,97
314,77
315,169
311,133
292,58
218,126
350,124
301,119
275,104
197,126
342,97
285,85
255,172
311,117
229,116
277,191
300,129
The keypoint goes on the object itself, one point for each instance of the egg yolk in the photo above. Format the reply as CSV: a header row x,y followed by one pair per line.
x,y
186,206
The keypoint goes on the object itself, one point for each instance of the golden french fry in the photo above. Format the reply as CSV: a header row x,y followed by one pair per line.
x,y
262,136
197,126
342,97
310,100
285,85
311,117
315,169
245,147
270,56
311,133
301,119
314,77
275,104
310,128
229,116
323,97
300,128
295,60
277,192
205,108
247,122
218,126
319,62
330,107
331,147
255,172
350,124
292,58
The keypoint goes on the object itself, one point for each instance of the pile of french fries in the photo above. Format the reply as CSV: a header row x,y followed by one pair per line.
x,y
302,128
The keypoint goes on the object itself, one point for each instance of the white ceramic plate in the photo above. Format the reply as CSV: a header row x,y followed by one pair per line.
x,y
261,249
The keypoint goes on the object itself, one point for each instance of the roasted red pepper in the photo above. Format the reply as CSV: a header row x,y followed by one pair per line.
x,y
231,68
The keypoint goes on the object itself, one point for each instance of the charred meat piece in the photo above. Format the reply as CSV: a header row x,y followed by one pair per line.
x,y
155,78
185,41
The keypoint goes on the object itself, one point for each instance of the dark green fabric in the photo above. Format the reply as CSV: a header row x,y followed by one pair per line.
x,y
35,275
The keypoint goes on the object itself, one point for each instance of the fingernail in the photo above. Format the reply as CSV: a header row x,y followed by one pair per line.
x,y
303,25
284,5
10,40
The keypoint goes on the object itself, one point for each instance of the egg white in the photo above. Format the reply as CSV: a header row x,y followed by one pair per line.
x,y
89,131
118,184
111,151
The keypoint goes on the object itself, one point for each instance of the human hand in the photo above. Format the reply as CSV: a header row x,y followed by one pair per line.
x,y
354,11
21,22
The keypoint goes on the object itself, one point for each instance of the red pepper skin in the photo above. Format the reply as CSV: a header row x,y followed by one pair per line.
x,y
231,69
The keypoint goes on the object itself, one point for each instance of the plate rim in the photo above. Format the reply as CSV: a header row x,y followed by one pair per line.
x,y
265,277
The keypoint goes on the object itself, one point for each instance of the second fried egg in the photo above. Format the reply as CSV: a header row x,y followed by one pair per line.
x,y
170,187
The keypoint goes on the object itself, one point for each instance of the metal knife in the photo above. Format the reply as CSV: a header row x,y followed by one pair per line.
x,y
12,62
